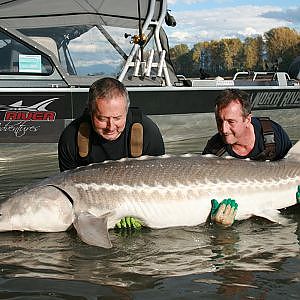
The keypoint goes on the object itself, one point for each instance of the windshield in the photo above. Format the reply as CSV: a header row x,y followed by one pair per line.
x,y
92,54
88,50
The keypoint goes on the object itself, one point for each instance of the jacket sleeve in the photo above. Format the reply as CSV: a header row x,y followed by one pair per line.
x,y
282,140
67,149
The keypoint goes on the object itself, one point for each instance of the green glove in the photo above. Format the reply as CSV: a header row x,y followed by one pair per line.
x,y
298,194
225,212
130,223
214,207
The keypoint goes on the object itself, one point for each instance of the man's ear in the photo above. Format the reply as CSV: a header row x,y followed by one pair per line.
x,y
248,119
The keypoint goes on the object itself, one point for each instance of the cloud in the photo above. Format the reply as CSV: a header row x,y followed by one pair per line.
x,y
248,31
207,24
84,48
172,2
93,41
290,15
192,1
180,35
90,62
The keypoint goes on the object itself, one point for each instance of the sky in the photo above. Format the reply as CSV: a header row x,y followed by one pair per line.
x,y
205,20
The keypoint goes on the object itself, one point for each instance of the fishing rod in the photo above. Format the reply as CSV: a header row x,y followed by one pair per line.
x,y
140,38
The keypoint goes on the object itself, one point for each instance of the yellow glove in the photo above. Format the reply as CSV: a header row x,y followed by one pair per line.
x,y
130,223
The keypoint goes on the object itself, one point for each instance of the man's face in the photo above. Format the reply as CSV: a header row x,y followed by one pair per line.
x,y
109,117
231,123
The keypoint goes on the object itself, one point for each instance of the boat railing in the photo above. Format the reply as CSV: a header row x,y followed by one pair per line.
x,y
142,68
244,78
269,78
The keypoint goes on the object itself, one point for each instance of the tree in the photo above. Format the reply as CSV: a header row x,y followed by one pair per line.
x,y
226,56
231,50
201,56
185,64
253,53
178,50
283,43
180,56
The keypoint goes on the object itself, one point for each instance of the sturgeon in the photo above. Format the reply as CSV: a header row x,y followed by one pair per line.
x,y
161,191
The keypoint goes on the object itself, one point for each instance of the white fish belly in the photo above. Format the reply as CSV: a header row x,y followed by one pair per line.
x,y
157,206
164,213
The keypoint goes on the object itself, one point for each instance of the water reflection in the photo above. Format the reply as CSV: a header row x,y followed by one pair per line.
x,y
150,255
22,164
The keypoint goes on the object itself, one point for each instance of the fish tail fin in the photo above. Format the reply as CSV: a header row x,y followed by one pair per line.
x,y
92,230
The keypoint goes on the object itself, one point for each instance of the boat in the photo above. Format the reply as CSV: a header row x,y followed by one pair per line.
x,y
52,51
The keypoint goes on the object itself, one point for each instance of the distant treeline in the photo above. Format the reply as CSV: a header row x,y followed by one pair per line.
x,y
274,50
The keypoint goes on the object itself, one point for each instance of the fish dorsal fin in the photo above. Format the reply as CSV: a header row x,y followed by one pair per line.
x,y
92,230
17,104
294,152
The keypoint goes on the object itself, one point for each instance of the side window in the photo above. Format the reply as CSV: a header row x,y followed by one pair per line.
x,y
18,58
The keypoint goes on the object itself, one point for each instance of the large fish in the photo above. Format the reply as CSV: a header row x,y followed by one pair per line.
x,y
160,191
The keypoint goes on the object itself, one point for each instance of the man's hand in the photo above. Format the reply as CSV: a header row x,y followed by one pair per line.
x,y
130,223
223,213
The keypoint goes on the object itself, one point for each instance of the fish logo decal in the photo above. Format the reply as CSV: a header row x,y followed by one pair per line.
x,y
36,112
41,106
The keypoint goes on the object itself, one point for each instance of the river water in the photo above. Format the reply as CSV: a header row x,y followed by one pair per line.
x,y
254,259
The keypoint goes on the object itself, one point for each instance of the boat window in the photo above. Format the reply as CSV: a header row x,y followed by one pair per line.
x,y
87,50
19,58
92,54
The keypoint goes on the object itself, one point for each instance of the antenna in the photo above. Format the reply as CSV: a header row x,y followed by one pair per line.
x,y
141,40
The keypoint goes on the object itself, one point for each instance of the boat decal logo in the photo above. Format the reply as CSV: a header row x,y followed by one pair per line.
x,y
276,99
36,112
21,120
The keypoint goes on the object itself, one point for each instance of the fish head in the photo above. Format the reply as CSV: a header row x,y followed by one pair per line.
x,y
41,208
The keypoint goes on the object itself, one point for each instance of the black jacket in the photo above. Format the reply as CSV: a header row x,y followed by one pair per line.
x,y
282,143
101,149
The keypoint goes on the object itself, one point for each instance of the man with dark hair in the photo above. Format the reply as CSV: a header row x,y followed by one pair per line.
x,y
242,136
108,130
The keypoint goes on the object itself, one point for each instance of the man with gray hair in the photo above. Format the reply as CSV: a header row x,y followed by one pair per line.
x,y
108,130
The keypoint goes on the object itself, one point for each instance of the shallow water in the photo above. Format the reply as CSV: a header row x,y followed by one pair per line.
x,y
252,259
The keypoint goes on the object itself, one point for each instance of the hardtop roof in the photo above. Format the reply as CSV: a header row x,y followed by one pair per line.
x,y
16,14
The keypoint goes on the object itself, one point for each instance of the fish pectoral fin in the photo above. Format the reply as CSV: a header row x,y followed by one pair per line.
x,y
92,230
272,215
